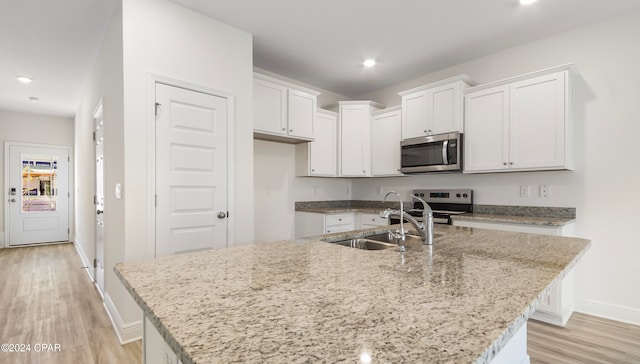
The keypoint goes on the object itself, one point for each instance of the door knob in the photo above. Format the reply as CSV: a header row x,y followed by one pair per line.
x,y
221,215
99,212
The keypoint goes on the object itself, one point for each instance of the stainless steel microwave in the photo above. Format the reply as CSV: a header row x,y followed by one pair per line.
x,y
435,153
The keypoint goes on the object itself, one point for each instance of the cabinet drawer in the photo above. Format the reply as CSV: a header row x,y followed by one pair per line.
x,y
339,219
339,228
372,220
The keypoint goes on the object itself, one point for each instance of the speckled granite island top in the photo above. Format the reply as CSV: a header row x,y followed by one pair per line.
x,y
315,302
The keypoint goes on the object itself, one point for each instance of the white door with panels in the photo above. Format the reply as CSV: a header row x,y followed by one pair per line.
x,y
38,194
191,170
99,197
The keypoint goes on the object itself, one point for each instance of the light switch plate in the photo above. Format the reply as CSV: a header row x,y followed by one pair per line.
x,y
525,191
118,191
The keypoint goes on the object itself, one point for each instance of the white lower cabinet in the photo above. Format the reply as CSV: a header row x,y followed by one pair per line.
x,y
155,349
558,305
314,224
366,220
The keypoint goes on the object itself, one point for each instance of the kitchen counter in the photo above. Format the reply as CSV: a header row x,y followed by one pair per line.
x,y
514,219
460,300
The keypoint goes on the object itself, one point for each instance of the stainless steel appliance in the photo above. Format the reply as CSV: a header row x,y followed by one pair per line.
x,y
444,203
436,153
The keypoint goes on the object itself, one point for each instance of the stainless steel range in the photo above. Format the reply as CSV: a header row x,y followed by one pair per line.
x,y
444,203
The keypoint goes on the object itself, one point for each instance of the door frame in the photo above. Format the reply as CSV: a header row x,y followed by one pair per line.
x,y
152,80
7,162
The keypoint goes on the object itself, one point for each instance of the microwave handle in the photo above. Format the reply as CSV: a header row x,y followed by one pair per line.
x,y
445,154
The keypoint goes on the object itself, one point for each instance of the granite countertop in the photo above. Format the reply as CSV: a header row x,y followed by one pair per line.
x,y
526,215
514,219
460,300
335,210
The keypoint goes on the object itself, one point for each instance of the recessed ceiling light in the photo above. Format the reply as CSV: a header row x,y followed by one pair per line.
x,y
23,79
34,99
527,2
369,63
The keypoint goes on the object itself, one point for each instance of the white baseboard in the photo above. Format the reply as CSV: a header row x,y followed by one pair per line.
x,y
1,239
126,332
608,311
85,261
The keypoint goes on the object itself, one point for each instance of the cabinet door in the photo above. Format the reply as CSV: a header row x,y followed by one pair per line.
x,y
385,144
444,109
269,107
537,122
354,140
302,107
414,115
486,140
323,150
156,350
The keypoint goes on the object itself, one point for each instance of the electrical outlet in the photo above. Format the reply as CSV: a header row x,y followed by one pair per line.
x,y
525,191
545,190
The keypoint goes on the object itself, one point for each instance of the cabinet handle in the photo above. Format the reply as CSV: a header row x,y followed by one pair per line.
x,y
340,219
328,231
290,130
425,132
510,163
313,170
504,163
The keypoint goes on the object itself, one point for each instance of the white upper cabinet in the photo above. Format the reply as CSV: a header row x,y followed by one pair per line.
x,y
520,124
355,138
433,109
281,111
385,142
319,158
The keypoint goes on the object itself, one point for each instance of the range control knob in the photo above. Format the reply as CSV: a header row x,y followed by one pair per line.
x,y
457,195
465,195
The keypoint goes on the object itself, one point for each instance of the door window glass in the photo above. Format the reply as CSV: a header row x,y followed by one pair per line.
x,y
39,182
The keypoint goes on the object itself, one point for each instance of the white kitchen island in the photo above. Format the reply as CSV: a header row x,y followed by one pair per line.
x,y
464,300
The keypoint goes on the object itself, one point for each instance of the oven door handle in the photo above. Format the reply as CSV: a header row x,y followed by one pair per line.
x,y
445,149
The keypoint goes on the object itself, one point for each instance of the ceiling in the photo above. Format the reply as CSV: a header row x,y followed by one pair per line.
x,y
322,43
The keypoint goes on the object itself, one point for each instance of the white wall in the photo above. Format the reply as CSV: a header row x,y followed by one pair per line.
x,y
604,186
105,84
38,129
277,189
162,38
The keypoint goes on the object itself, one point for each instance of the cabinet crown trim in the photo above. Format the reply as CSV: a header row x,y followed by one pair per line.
x,y
565,67
464,78
285,84
389,109
326,112
362,102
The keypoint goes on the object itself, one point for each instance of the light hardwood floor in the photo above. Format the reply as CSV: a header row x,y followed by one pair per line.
x,y
46,297
585,339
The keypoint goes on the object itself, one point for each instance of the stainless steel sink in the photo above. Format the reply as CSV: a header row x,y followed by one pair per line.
x,y
388,238
377,241
366,244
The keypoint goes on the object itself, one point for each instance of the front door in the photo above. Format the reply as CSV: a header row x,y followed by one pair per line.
x,y
38,194
99,198
191,170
